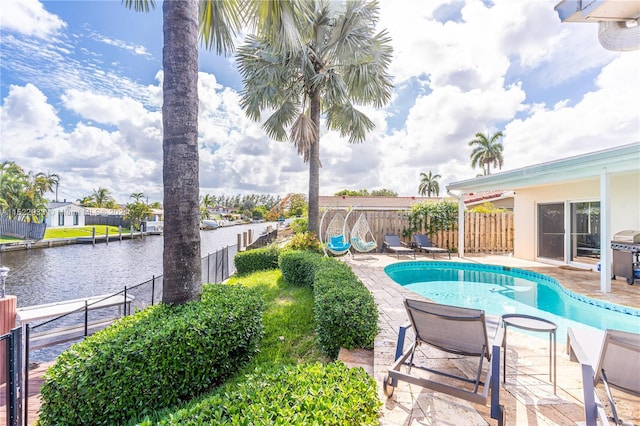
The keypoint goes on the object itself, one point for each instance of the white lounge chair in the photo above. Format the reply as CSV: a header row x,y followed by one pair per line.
x,y
611,357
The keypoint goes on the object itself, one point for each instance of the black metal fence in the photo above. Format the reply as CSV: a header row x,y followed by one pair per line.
x,y
106,220
13,373
50,338
47,339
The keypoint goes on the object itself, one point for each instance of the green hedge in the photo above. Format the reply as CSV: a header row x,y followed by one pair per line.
x,y
261,259
299,267
158,357
345,311
307,394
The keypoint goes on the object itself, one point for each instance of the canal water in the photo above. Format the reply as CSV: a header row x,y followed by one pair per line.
x,y
55,274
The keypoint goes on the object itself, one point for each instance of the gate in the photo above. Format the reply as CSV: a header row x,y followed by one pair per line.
x,y
13,368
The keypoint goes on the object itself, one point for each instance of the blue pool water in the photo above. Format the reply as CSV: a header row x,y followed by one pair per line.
x,y
499,290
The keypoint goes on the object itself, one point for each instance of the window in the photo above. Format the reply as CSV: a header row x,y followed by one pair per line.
x,y
76,218
60,218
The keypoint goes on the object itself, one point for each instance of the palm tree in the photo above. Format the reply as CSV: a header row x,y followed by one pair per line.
x,y
487,151
429,183
340,62
86,201
137,196
218,22
101,196
47,182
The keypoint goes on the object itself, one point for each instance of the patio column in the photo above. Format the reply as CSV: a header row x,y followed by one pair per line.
x,y
461,208
605,231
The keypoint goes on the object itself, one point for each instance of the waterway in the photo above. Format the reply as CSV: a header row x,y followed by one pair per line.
x,y
55,274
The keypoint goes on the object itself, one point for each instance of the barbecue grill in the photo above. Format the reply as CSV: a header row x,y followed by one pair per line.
x,y
626,254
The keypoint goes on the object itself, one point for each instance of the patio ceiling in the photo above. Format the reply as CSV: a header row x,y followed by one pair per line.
x,y
619,160
618,20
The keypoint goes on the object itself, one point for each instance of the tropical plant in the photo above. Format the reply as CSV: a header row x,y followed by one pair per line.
x,y
487,151
86,201
487,207
432,217
429,184
102,198
136,213
22,194
340,61
137,196
217,23
352,193
384,192
46,182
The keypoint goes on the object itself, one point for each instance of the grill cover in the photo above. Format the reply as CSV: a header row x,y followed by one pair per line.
x,y
628,237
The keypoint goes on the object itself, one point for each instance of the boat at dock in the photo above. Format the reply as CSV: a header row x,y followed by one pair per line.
x,y
209,224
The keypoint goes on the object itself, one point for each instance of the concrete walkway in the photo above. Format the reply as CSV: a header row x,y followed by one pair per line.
x,y
527,394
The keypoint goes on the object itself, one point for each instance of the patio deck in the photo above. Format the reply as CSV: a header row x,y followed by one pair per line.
x,y
527,394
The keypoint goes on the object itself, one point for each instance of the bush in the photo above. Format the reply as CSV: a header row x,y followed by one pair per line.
x,y
307,394
156,358
305,241
261,259
299,267
345,311
300,225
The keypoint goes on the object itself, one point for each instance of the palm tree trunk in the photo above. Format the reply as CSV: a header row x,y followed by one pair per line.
x,y
314,166
181,260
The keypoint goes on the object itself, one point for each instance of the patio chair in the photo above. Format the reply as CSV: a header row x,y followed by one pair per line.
x,y
456,330
423,242
392,243
611,357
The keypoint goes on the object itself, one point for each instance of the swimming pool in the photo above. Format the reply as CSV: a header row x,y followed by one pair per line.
x,y
500,290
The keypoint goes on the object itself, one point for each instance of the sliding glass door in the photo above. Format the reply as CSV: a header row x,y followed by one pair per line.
x,y
585,232
551,231
583,240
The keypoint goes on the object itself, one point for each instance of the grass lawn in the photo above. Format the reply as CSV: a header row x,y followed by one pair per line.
x,y
288,322
82,231
289,337
5,239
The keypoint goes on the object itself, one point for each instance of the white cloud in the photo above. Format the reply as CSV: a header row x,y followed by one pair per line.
x,y
28,17
475,68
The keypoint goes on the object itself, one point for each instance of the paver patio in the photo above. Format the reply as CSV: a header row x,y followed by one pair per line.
x,y
527,394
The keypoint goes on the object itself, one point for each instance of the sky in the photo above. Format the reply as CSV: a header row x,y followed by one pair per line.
x,y
81,96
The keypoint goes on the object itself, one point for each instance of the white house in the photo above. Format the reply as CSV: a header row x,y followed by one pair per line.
x,y
567,211
65,215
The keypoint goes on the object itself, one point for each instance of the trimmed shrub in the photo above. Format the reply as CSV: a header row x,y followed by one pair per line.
x,y
158,357
307,394
299,267
261,259
345,311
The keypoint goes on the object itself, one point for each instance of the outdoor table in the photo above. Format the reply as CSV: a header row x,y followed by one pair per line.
x,y
531,323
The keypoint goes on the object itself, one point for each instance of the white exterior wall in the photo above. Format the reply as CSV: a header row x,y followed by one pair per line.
x,y
69,209
625,207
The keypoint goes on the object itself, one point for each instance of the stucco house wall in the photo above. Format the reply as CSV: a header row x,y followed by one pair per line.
x,y
64,212
625,207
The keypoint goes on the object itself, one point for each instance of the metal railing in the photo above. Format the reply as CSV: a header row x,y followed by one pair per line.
x,y
72,326
13,367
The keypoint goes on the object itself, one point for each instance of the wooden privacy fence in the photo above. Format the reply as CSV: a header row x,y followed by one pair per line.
x,y
19,229
484,232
